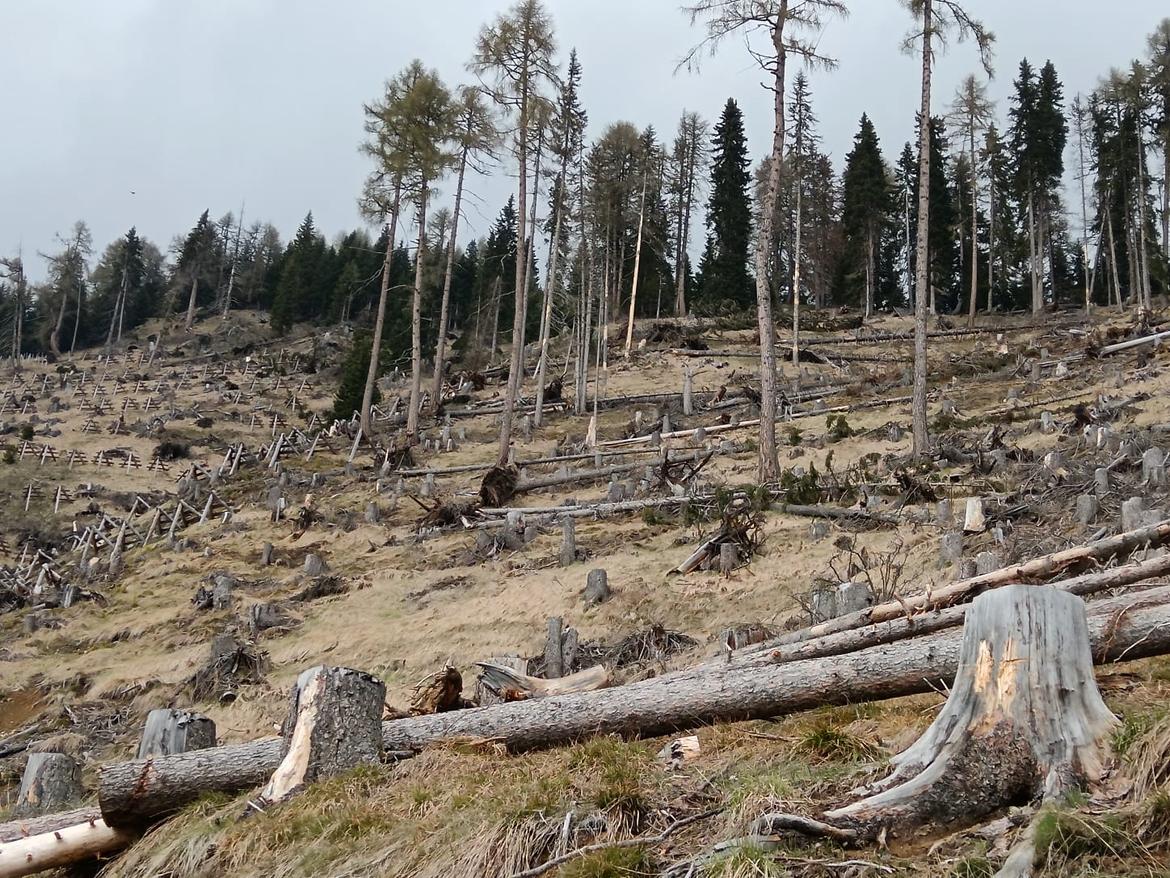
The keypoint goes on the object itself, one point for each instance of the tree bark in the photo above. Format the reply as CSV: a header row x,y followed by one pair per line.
x,y
412,410
974,231
51,781
367,426
796,260
550,288
922,269
769,462
448,274
637,266
191,304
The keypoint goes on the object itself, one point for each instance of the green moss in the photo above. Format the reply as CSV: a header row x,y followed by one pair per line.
x,y
624,862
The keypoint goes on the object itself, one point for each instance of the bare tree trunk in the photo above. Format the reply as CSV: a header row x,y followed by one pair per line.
x,y
1034,256
367,426
412,409
990,245
769,462
496,316
121,297
77,316
227,299
680,301
1144,255
920,430
550,289
516,367
191,304
974,233
1113,257
55,335
444,307
869,273
637,268
587,281
796,260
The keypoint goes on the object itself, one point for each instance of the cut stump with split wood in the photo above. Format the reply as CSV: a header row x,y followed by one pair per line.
x,y
1024,721
334,725
51,782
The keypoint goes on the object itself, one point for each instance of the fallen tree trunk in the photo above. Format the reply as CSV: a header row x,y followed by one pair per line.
x,y
60,847
1122,628
1036,570
950,617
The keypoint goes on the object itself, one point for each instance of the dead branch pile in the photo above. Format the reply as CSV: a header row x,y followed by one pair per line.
x,y
651,645
438,693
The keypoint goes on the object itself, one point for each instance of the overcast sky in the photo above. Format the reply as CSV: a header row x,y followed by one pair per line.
x,y
145,112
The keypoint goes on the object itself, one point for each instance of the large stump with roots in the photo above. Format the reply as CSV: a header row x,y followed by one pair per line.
x,y
1024,720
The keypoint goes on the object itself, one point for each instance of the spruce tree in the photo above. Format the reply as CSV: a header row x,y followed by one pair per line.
x,y
726,282
865,215
296,297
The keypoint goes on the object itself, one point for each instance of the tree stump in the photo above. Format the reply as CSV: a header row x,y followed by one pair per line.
x,y
837,600
552,648
1101,481
51,782
1154,467
314,566
951,548
728,558
568,541
974,521
1024,719
266,555
596,588
987,562
334,725
944,513
373,514
1087,508
169,731
1047,422
221,593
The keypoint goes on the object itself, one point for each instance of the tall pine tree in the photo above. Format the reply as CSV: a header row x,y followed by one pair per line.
x,y
726,282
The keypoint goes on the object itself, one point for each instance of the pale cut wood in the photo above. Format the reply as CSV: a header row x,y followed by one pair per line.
x,y
168,731
60,847
514,686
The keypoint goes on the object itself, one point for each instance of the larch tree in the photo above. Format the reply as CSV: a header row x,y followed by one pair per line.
x,y
68,271
475,136
972,113
428,126
567,135
382,200
937,19
785,24
687,160
514,57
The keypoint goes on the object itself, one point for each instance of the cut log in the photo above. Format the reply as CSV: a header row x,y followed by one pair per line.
x,y
169,731
1127,628
51,782
510,685
1024,720
334,725
60,847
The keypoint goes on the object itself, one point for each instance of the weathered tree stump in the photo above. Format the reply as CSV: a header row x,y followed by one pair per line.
x,y
596,587
314,565
974,521
373,514
266,554
1154,467
1087,508
951,548
169,731
334,725
728,558
568,541
51,782
221,592
552,648
1024,719
837,600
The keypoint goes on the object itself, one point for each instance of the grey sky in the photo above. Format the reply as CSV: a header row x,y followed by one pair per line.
x,y
203,104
